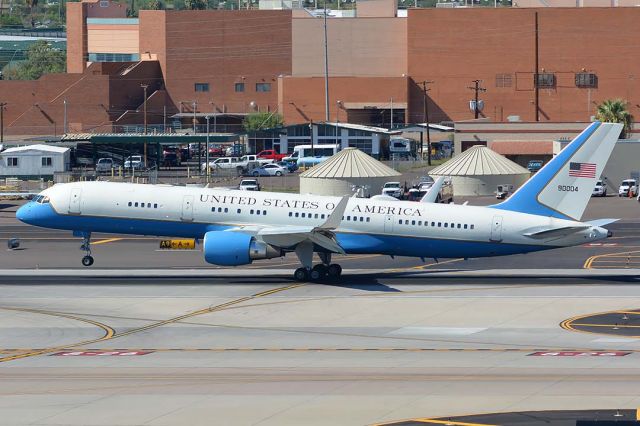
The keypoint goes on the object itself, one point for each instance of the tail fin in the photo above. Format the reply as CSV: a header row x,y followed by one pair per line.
x,y
562,188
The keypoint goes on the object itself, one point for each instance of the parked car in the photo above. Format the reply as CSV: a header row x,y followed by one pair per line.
x,y
600,190
104,165
269,170
392,189
290,166
133,162
171,159
626,186
225,163
534,165
271,154
249,185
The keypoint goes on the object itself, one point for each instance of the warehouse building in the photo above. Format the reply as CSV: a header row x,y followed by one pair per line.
x,y
34,161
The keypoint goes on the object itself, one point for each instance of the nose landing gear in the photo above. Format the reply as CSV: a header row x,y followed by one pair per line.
x,y
87,260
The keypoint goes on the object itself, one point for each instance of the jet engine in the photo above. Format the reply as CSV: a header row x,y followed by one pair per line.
x,y
228,248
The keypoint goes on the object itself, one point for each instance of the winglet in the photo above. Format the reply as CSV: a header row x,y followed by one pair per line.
x,y
432,194
335,218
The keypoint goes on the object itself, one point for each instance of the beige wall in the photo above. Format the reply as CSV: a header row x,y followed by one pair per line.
x,y
366,47
113,38
376,8
576,3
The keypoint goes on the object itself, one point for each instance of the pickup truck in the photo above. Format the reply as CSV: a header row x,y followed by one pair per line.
x,y
270,154
240,165
251,158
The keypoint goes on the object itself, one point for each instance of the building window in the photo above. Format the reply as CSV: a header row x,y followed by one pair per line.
x,y
263,87
201,87
114,57
586,79
503,80
12,162
239,87
47,162
545,80
104,3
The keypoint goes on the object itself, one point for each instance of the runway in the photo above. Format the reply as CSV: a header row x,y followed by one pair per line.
x,y
151,337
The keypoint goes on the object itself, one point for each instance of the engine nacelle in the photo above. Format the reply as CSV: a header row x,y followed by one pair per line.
x,y
228,248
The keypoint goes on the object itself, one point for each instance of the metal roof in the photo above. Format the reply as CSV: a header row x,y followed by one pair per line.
x,y
162,138
476,161
421,127
362,127
349,163
36,147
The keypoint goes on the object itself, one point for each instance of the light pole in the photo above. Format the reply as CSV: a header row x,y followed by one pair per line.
x,y
476,87
2,105
144,108
64,123
326,66
195,105
426,120
207,152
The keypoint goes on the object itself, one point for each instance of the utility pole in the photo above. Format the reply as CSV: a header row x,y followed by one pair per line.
x,y
144,108
476,88
326,66
426,120
2,105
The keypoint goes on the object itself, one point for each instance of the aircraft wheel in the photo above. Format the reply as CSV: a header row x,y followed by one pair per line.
x,y
334,271
319,272
87,261
301,274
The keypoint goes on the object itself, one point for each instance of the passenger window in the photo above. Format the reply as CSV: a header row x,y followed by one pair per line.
x,y
433,224
323,216
439,224
458,226
453,225
136,204
446,225
419,223
129,203
465,226
239,211
155,206
290,214
361,219
348,217
264,212
251,212
316,216
257,212
413,222
400,222
148,205
219,209
226,210
297,214
368,219
471,226
213,209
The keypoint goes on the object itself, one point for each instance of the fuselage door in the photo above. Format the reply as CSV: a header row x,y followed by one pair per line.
x,y
74,200
496,228
187,208
388,224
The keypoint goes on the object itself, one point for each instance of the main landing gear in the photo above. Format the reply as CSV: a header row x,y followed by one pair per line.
x,y
87,260
320,272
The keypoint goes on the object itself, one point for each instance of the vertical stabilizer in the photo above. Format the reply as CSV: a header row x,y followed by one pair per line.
x,y
563,187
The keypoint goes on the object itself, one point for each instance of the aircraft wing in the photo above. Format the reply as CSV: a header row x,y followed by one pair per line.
x,y
291,236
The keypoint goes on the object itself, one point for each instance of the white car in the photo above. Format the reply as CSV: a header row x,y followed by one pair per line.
x,y
269,170
392,189
600,190
249,185
627,185
133,162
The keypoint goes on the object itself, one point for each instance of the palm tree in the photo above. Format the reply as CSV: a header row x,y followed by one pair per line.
x,y
615,111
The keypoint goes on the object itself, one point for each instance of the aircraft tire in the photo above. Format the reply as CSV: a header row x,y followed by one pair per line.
x,y
334,271
318,273
87,261
301,274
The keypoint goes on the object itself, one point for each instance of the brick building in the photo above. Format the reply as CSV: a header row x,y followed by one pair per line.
x,y
230,63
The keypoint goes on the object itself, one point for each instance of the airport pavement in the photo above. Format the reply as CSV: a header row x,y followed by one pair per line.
x,y
166,339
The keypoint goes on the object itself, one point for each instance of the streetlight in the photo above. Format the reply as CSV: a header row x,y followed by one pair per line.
x,y
144,108
207,152
64,102
2,107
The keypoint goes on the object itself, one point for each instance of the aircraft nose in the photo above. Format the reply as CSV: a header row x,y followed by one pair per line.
x,y
23,213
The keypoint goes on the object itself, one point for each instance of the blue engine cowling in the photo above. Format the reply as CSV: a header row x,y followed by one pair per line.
x,y
228,248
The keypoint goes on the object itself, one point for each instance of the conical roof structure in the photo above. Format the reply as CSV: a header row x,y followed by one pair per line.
x,y
349,163
479,161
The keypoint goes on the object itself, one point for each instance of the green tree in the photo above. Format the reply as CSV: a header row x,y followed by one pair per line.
x,y
195,4
262,120
615,111
41,59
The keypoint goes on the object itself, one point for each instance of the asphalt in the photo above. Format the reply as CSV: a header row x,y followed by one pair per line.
x,y
149,337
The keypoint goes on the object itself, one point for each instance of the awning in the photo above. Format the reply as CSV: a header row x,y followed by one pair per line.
x,y
374,105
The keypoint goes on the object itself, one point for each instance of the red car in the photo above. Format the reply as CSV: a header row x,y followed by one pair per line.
x,y
271,154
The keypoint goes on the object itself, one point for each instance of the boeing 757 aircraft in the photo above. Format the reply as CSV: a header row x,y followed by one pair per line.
x,y
238,227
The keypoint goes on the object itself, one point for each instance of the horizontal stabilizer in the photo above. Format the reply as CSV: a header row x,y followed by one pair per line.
x,y
540,233
601,222
432,195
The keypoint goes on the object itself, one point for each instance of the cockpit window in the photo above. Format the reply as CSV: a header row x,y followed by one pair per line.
x,y
45,200
41,199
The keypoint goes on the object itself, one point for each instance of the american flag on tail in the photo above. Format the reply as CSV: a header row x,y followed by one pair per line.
x,y
586,170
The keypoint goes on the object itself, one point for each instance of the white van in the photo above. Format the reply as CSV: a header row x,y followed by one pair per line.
x,y
303,155
627,185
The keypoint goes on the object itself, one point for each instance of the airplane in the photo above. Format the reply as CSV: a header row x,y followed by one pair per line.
x,y
237,227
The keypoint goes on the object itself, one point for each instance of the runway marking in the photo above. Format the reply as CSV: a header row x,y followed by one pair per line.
x,y
570,322
588,264
110,333
108,240
343,258
432,421
419,267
